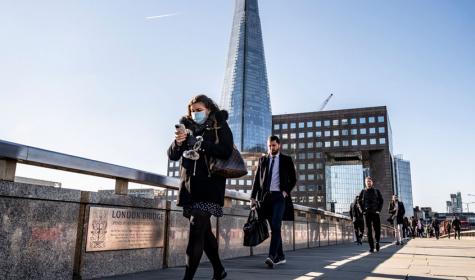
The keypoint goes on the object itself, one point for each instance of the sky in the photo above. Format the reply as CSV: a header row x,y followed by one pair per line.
x,y
108,79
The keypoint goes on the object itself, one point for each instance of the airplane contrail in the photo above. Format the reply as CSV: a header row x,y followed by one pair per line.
x,y
162,16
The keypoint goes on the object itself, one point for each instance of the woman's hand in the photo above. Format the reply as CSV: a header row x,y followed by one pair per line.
x,y
180,137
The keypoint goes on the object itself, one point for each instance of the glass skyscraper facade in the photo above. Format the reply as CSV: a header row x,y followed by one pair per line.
x,y
402,172
245,90
343,183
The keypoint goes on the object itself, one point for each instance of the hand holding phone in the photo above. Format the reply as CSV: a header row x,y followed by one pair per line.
x,y
180,134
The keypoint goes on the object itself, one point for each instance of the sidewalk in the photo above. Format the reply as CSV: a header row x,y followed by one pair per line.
x,y
418,259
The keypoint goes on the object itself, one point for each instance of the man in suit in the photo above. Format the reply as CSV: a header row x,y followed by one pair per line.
x,y
274,180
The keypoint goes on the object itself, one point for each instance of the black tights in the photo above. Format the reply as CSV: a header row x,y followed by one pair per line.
x,y
201,238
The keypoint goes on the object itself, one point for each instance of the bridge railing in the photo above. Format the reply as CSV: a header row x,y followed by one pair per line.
x,y
58,226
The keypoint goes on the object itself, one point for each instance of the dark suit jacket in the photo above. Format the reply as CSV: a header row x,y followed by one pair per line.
x,y
288,179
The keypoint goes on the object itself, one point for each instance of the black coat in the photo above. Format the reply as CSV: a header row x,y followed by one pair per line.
x,y
371,200
356,213
288,180
400,213
197,184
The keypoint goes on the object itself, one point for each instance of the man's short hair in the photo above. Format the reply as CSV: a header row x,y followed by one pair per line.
x,y
370,178
274,138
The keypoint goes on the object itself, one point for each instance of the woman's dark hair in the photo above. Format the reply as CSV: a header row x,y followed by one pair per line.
x,y
208,102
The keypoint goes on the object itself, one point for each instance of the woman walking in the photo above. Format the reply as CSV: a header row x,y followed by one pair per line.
x,y
201,135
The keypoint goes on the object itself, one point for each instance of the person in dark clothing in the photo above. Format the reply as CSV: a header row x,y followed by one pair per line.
x,y
274,180
448,227
436,227
456,225
397,210
405,228
203,133
413,227
356,214
371,201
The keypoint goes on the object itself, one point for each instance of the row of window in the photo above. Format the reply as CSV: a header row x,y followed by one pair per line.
x,y
335,132
327,123
336,143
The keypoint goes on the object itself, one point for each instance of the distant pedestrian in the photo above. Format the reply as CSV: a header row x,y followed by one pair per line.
x,y
457,227
356,214
436,227
420,228
396,209
449,227
274,180
413,227
405,228
371,201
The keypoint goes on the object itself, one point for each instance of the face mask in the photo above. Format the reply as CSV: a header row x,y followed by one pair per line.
x,y
199,117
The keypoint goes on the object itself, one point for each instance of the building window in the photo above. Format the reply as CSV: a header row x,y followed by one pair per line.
x,y
326,123
327,144
309,124
319,165
381,119
353,120
301,125
381,129
372,130
318,134
310,166
364,142
249,183
344,122
301,155
177,164
285,126
363,131
335,122
293,136
372,141
293,125
371,119
276,126
336,133
170,174
302,166
344,132
345,143
310,145
302,177
319,144
301,135
310,177
354,131
362,120
318,155
285,136
336,143
293,146
310,134
278,135
354,142
327,133
301,145
382,141
318,123
319,176
171,164
249,163
285,146
310,155
177,173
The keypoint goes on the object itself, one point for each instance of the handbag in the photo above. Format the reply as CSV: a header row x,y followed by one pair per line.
x,y
255,230
233,167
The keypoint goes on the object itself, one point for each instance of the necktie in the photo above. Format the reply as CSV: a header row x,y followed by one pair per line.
x,y
270,170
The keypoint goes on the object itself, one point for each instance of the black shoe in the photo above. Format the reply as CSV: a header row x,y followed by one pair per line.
x,y
221,276
377,246
279,260
269,262
371,250
397,243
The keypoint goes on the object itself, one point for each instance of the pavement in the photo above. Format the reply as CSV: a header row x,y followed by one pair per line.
x,y
417,259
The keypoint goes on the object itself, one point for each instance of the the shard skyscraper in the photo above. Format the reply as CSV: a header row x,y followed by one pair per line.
x,y
245,91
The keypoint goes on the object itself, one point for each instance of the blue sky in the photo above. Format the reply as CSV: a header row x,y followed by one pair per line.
x,y
99,80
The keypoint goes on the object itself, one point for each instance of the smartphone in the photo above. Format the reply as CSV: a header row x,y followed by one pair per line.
x,y
180,127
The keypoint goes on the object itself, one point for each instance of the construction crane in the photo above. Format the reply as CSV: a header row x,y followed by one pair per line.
x,y
325,102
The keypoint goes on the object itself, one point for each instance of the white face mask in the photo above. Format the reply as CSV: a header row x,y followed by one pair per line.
x,y
199,117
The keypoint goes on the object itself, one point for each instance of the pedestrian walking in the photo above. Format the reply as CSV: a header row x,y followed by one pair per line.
x,y
397,210
274,180
436,227
356,214
413,227
203,133
371,201
457,227
405,228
